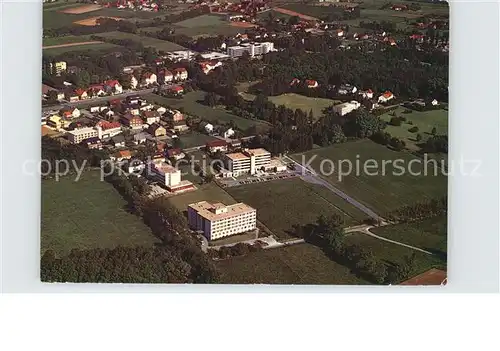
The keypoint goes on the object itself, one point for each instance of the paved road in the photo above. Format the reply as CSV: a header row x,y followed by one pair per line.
x,y
312,177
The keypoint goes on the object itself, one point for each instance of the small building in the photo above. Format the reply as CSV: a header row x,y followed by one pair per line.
x,y
228,133
346,107
216,145
76,136
179,126
132,121
118,141
366,94
151,117
157,130
180,74
113,86
140,138
169,176
93,143
386,97
311,83
176,90
209,128
173,116
148,79
345,89
175,154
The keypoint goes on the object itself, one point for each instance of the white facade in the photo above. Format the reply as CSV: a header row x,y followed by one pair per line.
x,y
228,133
253,49
247,161
78,135
165,173
133,82
346,107
217,220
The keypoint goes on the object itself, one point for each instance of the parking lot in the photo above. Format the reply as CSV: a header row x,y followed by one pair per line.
x,y
230,182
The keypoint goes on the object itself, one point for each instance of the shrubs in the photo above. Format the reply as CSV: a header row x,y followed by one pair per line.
x,y
395,121
413,130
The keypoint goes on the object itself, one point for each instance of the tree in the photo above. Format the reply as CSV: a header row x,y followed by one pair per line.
x,y
434,131
419,137
338,135
211,99
293,20
364,124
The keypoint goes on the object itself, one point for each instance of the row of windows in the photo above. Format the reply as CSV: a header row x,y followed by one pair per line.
x,y
223,233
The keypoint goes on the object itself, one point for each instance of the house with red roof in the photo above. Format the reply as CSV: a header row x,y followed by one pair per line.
x,y
151,117
132,121
175,154
311,83
107,129
209,66
113,86
386,97
180,74
165,76
294,81
366,94
97,90
148,78
176,90
216,145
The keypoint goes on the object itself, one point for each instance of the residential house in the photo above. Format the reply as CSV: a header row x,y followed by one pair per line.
x,y
97,90
55,122
386,97
151,117
148,78
121,155
208,66
93,143
118,141
145,106
180,74
165,76
434,102
228,133
133,100
108,129
366,94
340,33
311,83
71,112
173,116
176,90
133,81
294,81
209,128
71,96
140,138
157,130
180,126
345,89
82,94
216,145
132,121
161,110
113,86
175,154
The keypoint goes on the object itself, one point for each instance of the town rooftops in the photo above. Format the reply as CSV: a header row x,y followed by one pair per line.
x,y
258,152
236,156
216,143
105,125
164,167
219,211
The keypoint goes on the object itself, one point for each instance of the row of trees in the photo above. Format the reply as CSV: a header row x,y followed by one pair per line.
x,y
421,210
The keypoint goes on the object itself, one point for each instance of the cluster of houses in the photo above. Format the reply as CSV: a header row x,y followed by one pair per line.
x,y
138,5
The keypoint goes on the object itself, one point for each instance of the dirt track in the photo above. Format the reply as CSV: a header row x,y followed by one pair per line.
x,y
71,44
293,13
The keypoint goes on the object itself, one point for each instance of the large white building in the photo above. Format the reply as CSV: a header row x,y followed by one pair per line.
x,y
78,135
346,107
218,220
169,176
253,49
247,161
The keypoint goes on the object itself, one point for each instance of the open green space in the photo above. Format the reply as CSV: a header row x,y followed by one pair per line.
x,y
193,139
206,25
425,121
304,103
87,214
146,41
380,178
202,21
68,39
97,47
429,234
210,192
391,254
191,105
283,204
52,18
297,264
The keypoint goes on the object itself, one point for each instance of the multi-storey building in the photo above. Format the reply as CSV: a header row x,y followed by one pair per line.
x,y
169,176
218,220
247,161
78,135
253,49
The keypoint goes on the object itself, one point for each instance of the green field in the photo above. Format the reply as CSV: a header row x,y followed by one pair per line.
x,y
87,214
428,234
98,47
191,106
282,204
304,103
382,193
297,264
425,121
206,25
146,41
202,21
68,39
193,139
208,192
390,253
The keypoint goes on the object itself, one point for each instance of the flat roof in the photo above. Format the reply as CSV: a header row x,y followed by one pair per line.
x,y
165,167
205,210
237,156
259,152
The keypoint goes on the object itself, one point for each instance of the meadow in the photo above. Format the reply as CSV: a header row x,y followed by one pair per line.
x,y
88,214
379,190
146,41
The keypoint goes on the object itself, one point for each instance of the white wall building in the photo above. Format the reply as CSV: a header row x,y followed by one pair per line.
x,y
218,220
247,161
168,175
346,107
253,49
78,135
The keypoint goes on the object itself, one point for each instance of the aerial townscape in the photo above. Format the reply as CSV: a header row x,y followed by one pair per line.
x,y
221,142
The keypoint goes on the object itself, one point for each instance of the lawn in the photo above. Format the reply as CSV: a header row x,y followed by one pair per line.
x,y
87,214
425,121
391,254
210,192
283,204
304,103
191,106
206,25
298,264
69,39
100,47
146,41
379,190
52,18
193,139
428,234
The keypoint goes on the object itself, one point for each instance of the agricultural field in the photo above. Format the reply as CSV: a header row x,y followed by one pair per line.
x,y
297,264
146,41
210,192
202,21
304,103
88,214
392,254
429,234
193,139
68,39
191,105
382,193
206,25
425,121
283,204
97,47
